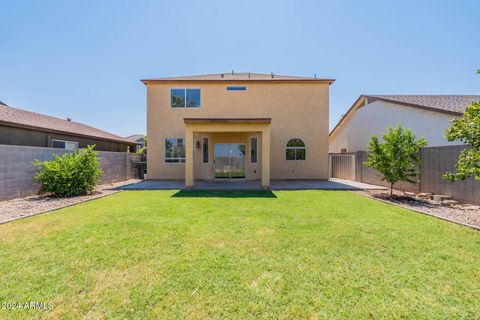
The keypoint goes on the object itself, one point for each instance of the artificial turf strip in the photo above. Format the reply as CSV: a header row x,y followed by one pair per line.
x,y
237,255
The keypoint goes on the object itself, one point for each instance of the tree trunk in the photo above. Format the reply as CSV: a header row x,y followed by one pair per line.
x,y
391,190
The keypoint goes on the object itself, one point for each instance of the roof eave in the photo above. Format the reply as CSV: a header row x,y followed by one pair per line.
x,y
329,81
227,120
414,105
349,111
29,127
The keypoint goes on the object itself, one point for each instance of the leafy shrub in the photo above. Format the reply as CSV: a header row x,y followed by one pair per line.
x,y
71,174
467,130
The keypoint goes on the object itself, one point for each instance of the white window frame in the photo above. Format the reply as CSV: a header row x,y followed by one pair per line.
x,y
66,142
295,150
165,149
185,98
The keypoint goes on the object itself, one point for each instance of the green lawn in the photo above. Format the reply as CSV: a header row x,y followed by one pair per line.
x,y
236,255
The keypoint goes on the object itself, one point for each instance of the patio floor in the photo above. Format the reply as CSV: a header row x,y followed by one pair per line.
x,y
332,184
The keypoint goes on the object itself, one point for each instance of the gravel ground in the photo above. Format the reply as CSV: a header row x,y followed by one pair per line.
x,y
465,214
23,207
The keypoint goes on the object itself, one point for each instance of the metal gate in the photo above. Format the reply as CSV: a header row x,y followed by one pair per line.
x,y
342,165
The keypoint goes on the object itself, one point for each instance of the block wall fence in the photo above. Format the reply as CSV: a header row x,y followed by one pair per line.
x,y
435,161
17,171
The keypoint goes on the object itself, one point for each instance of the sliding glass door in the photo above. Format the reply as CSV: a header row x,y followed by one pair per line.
x,y
229,161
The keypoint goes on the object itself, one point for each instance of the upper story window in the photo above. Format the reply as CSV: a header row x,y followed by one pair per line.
x,y
236,88
296,150
185,98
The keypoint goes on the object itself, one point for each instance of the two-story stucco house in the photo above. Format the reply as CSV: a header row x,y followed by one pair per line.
x,y
237,126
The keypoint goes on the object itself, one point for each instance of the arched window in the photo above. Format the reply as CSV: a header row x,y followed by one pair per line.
x,y
296,150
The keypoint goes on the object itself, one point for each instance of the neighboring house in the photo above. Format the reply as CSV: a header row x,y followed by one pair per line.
x,y
237,126
426,115
25,128
138,139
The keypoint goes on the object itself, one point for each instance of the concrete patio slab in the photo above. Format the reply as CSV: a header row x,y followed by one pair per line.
x,y
332,184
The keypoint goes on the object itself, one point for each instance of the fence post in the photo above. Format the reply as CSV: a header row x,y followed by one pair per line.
x,y
329,166
420,172
354,165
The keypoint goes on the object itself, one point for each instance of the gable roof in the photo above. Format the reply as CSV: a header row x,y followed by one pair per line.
x,y
240,76
30,120
135,137
3,104
454,105
449,103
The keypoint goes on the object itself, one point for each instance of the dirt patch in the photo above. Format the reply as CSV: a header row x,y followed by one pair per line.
x,y
24,207
461,213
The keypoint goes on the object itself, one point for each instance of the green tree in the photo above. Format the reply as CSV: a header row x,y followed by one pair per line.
x,y
467,130
395,158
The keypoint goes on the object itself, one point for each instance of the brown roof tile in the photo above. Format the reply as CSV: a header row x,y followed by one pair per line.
x,y
26,119
239,76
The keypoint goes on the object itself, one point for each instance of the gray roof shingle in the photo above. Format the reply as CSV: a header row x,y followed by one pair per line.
x,y
135,137
26,119
449,103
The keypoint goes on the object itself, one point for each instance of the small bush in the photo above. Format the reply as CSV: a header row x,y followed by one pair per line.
x,y
71,174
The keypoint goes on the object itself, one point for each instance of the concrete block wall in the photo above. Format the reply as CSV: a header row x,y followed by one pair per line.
x,y
17,171
435,162
438,160
372,176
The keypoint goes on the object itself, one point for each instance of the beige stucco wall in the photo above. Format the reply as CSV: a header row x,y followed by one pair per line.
x,y
374,118
297,110
204,171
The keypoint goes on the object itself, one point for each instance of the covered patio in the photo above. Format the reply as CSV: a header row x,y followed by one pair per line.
x,y
228,127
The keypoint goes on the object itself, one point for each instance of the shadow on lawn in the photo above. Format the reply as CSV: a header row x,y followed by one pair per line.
x,y
224,194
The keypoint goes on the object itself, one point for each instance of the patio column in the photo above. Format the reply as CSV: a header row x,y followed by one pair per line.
x,y
189,180
266,157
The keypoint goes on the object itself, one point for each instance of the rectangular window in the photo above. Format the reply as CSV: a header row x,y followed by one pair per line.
x,y
253,150
62,144
174,150
193,98
236,88
185,98
178,98
58,144
205,150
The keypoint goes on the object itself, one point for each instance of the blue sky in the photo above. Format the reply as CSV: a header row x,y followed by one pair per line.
x,y
84,59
